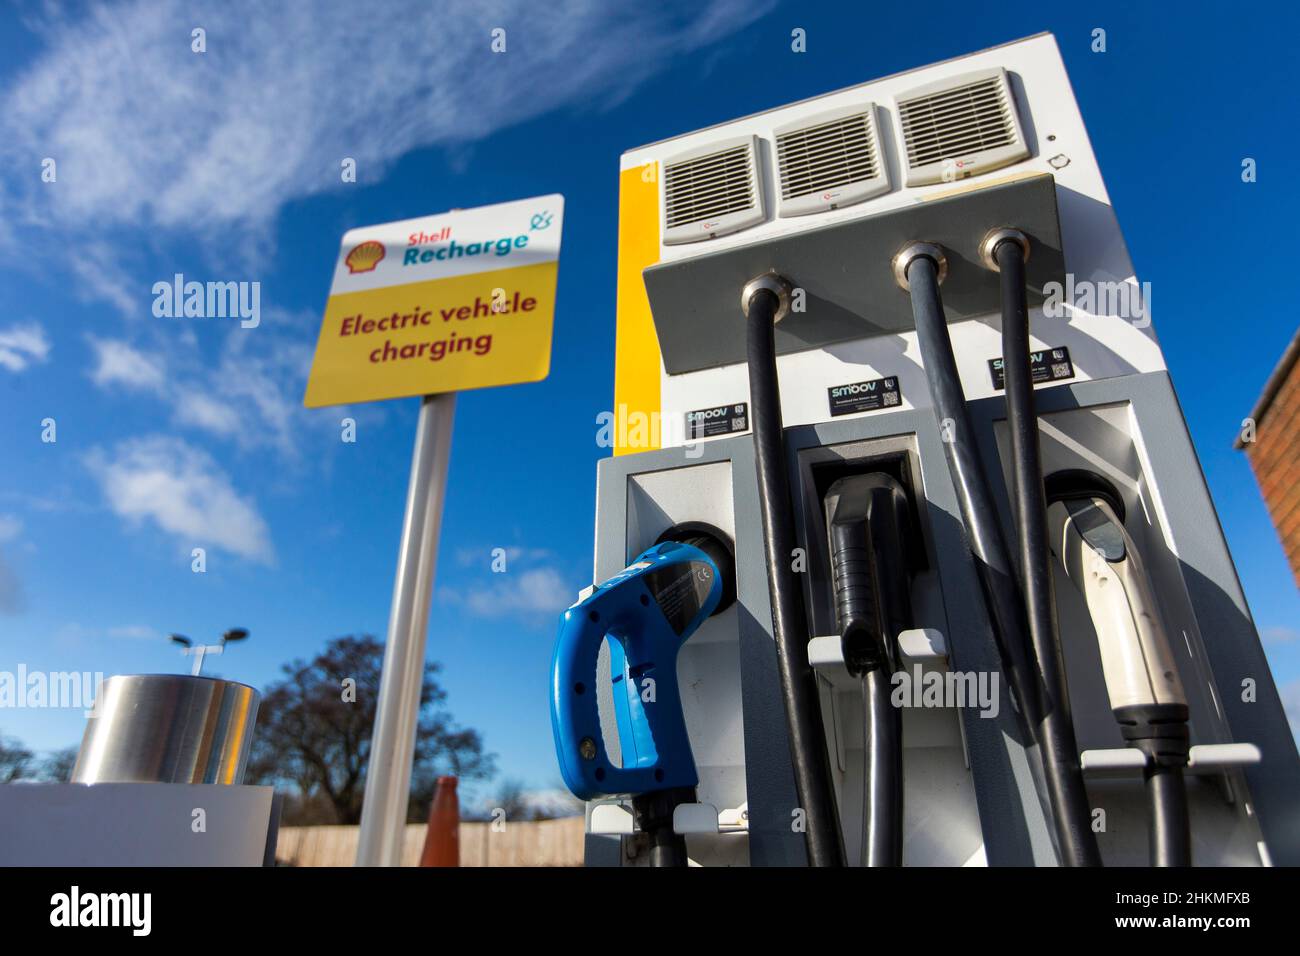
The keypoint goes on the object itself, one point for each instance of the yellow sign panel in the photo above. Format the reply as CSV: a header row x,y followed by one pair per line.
x,y
440,304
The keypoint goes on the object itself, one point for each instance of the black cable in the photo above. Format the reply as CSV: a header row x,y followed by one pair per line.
x,y
979,514
808,752
1170,826
654,817
1060,751
882,755
887,522
1161,732
992,561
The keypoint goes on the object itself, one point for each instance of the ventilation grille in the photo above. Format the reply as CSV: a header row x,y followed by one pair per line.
x,y
817,158
971,126
709,187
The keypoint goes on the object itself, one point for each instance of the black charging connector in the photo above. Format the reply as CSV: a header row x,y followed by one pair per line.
x,y
867,524
894,464
853,569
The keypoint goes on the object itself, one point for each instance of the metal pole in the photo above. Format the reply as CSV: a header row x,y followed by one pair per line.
x,y
388,779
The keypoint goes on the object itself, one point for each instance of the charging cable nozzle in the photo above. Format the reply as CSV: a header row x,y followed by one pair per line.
x,y
778,285
904,258
995,238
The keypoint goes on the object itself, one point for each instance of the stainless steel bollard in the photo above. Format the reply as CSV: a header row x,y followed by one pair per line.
x,y
167,728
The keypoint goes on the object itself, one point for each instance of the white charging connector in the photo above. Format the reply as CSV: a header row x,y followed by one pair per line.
x,y
1099,557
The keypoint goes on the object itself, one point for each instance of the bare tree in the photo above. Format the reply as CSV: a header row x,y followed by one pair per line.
x,y
520,803
56,766
512,798
14,760
314,726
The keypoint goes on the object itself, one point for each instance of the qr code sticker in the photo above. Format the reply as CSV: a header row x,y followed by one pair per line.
x,y
891,398
1061,370
738,424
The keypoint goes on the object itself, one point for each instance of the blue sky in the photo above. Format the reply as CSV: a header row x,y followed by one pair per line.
x,y
225,166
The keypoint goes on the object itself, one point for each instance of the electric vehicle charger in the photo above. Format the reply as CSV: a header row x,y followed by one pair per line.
x,y
1146,694
1005,785
866,516
650,609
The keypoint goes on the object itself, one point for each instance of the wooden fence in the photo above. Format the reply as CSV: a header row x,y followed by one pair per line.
x,y
540,843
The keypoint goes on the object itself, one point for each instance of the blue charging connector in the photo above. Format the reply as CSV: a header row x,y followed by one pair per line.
x,y
649,610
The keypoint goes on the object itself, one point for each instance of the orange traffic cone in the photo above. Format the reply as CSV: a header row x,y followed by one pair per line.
x,y
442,842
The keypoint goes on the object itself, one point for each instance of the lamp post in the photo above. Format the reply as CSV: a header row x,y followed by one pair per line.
x,y
200,651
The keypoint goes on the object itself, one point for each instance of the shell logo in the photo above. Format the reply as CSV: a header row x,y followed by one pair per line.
x,y
364,257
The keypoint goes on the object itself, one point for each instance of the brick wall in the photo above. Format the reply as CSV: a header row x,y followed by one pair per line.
x,y
1275,457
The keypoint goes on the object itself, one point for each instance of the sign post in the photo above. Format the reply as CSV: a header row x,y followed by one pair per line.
x,y
388,776
429,307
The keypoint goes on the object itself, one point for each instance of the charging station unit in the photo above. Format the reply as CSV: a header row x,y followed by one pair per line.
x,y
1071,723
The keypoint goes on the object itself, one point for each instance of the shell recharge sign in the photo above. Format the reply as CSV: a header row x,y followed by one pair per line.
x,y
440,304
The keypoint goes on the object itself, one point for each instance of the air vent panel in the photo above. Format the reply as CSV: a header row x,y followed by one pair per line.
x,y
959,127
711,192
829,160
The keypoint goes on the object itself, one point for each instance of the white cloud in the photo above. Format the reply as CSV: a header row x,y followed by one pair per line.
x,y
99,271
536,592
117,363
21,345
184,492
1279,635
201,410
485,557
147,133
135,632
11,526
253,395
239,385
